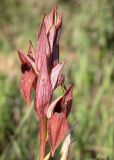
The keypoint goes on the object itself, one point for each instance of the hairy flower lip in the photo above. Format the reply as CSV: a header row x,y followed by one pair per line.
x,y
25,67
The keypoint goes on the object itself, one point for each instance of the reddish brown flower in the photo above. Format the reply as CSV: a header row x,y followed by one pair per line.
x,y
57,122
29,72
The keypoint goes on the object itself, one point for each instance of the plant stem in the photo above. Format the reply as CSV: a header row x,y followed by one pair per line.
x,y
43,134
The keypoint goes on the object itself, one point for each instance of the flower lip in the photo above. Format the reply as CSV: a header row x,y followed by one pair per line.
x,y
52,107
58,109
62,104
25,67
26,59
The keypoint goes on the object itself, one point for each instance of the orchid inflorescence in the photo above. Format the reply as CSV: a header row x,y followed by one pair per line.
x,y
41,71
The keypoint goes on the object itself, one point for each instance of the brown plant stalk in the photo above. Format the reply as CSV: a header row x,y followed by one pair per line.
x,y
43,137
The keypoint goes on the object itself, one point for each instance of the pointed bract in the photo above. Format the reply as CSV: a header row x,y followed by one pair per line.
x,y
67,100
58,30
55,53
42,47
31,51
61,79
43,90
51,37
50,19
43,21
55,74
57,129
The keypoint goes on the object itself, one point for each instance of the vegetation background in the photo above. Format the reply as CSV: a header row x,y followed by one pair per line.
x,y
87,44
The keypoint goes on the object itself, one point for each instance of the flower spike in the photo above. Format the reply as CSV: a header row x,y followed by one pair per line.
x,y
41,71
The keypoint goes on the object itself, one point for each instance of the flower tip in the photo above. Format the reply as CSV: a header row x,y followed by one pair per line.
x,y
20,53
53,152
70,88
27,104
28,101
31,51
54,9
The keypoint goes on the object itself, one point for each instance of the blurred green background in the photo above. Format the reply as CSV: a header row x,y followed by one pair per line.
x,y
87,43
